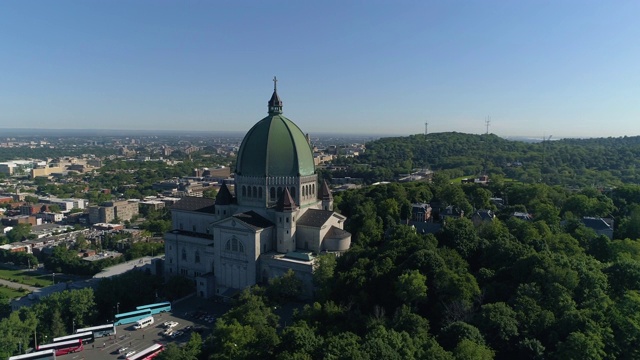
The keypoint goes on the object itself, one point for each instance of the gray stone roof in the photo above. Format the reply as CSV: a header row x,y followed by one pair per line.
x,y
315,218
286,203
595,223
253,220
484,214
192,203
224,196
337,233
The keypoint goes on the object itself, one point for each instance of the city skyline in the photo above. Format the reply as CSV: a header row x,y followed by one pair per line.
x,y
564,68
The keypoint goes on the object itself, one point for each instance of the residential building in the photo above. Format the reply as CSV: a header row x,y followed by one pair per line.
x,y
600,225
111,210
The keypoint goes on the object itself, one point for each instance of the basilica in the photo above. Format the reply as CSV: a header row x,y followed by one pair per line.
x,y
274,218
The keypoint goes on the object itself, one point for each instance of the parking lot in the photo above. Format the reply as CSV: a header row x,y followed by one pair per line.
x,y
196,313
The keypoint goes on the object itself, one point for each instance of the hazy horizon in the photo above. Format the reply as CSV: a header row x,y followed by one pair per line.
x,y
535,68
23,132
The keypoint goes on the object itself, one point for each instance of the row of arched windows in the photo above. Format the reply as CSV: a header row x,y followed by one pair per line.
x,y
254,192
308,190
275,193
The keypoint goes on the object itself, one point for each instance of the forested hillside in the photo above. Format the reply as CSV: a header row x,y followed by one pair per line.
x,y
549,288
569,162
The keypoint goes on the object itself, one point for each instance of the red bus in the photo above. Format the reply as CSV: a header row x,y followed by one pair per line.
x,y
63,347
148,353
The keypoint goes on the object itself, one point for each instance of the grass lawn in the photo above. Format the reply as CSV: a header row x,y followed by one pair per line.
x,y
11,293
458,180
27,277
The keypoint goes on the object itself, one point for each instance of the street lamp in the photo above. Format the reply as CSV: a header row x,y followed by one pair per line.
x,y
53,278
73,329
118,308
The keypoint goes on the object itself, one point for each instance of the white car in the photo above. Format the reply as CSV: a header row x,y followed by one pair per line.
x,y
130,353
122,349
171,324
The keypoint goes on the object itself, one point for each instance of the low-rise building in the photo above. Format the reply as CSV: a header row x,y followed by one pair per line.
x,y
111,210
50,216
600,225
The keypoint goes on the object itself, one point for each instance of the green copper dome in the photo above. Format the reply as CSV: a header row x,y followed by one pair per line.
x,y
275,146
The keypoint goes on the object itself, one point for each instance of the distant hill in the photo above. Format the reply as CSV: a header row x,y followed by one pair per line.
x,y
571,162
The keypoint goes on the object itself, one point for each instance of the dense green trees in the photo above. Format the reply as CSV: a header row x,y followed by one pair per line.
x,y
125,292
248,331
18,258
549,288
54,315
570,162
190,351
19,232
63,260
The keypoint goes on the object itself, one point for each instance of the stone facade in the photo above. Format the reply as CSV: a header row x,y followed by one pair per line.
x,y
274,220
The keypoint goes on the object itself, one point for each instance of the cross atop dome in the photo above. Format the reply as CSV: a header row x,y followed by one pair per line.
x,y
275,104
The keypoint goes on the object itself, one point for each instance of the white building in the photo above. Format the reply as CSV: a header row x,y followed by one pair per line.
x,y
277,218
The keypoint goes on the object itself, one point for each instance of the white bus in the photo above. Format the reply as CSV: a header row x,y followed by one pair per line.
x,y
86,337
142,323
100,330
38,355
148,353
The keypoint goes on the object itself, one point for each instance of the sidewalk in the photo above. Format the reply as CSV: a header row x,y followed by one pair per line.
x,y
15,285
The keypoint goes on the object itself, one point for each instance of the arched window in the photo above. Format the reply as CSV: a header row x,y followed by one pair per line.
x,y
272,194
313,189
279,192
197,257
184,254
260,192
234,245
244,191
304,190
255,192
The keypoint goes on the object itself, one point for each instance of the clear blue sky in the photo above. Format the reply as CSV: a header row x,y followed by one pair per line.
x,y
561,68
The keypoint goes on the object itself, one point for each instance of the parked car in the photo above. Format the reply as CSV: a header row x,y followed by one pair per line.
x,y
171,324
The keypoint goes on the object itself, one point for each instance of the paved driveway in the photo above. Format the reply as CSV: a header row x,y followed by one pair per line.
x,y
126,336
15,285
